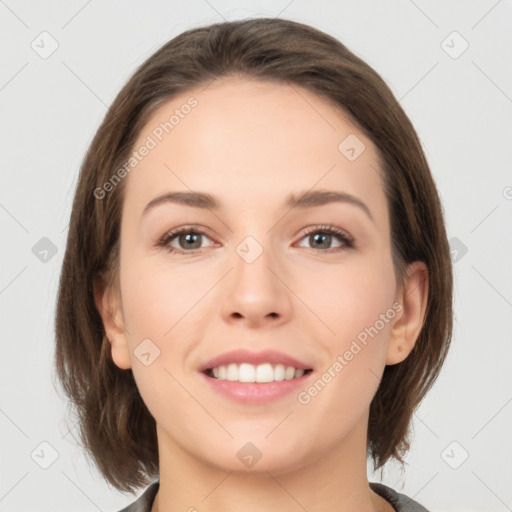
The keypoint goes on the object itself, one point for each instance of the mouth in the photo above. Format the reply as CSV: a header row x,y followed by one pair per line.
x,y
255,378
261,373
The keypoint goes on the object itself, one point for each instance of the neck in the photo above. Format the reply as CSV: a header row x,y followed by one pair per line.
x,y
332,481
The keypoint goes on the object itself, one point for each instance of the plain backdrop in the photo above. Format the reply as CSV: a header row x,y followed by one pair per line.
x,y
448,62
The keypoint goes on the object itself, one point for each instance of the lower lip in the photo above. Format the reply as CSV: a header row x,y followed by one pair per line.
x,y
256,392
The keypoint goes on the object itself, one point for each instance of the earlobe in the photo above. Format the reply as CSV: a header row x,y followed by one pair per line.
x,y
408,323
109,308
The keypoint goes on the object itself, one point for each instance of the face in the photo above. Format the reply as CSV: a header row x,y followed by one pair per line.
x,y
307,284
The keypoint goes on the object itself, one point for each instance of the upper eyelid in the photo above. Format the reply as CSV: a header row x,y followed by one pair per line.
x,y
206,231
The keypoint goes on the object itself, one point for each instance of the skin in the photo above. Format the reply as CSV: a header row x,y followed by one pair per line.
x,y
251,144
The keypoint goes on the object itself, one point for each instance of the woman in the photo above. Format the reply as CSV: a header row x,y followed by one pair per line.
x,y
256,293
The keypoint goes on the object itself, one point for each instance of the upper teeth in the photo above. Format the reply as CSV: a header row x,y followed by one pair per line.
x,y
246,372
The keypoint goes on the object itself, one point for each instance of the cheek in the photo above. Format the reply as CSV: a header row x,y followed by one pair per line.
x,y
158,308
356,306
163,304
349,300
157,299
356,320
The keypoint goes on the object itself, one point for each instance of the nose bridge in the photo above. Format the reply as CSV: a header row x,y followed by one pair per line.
x,y
253,250
255,292
252,261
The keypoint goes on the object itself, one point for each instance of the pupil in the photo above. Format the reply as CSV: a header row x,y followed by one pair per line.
x,y
317,236
189,237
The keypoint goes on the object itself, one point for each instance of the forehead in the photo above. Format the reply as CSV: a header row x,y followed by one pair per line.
x,y
244,139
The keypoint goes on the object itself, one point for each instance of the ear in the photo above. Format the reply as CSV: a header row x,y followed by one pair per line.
x,y
108,304
412,296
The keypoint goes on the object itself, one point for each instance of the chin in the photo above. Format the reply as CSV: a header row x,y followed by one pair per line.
x,y
254,455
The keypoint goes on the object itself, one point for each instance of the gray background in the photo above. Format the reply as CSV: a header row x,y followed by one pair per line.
x,y
461,105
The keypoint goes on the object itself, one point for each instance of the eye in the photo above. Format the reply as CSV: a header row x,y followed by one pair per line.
x,y
187,237
321,237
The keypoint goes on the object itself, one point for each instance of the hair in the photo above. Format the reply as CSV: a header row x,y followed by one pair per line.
x,y
116,427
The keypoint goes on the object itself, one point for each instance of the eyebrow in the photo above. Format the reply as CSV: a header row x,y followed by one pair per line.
x,y
308,199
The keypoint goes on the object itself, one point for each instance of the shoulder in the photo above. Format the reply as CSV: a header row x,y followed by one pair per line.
x,y
400,502
145,500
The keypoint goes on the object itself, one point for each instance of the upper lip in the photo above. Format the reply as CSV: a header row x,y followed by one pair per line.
x,y
246,356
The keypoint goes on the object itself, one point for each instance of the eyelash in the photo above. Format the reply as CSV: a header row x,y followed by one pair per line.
x,y
344,237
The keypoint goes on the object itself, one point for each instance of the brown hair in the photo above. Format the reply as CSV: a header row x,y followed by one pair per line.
x,y
115,424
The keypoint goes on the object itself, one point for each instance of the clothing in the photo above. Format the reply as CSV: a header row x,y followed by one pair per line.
x,y
400,502
145,501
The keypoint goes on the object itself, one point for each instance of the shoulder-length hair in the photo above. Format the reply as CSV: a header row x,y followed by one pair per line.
x,y
116,427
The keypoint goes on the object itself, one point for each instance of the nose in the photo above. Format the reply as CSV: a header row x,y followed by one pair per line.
x,y
257,293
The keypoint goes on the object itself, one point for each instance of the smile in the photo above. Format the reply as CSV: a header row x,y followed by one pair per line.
x,y
262,373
